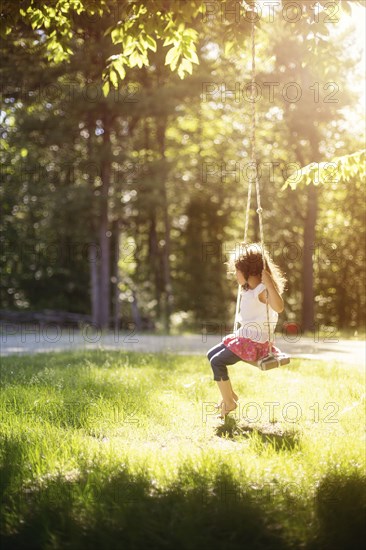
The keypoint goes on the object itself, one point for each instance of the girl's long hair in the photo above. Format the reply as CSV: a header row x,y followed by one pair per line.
x,y
250,262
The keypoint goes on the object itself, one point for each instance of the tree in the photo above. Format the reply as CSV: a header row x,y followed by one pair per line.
x,y
154,132
342,179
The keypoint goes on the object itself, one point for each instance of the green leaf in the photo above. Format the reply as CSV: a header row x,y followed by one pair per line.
x,y
151,43
119,68
172,56
192,56
169,40
134,59
192,33
105,88
113,78
169,25
186,65
34,24
129,45
141,46
117,36
181,73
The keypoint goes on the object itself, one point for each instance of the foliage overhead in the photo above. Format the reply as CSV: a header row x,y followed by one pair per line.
x,y
140,25
342,168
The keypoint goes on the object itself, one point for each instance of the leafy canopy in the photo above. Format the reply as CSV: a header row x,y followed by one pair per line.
x,y
342,168
139,25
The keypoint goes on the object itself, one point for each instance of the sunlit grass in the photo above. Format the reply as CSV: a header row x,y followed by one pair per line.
x,y
97,437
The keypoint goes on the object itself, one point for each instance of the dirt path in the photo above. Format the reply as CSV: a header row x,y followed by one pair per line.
x,y
21,340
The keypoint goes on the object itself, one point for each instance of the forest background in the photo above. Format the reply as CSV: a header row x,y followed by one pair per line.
x,y
125,153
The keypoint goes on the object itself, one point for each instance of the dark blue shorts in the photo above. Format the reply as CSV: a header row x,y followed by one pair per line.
x,y
220,357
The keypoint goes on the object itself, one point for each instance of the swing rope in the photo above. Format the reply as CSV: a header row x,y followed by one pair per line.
x,y
255,178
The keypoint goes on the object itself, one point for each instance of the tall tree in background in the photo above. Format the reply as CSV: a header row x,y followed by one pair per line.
x,y
309,105
102,132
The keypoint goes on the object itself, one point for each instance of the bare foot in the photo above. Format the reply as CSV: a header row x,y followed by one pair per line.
x,y
235,398
226,408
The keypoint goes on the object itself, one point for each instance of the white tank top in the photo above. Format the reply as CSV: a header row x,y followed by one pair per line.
x,y
252,316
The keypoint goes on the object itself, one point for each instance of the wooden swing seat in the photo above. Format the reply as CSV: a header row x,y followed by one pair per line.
x,y
271,361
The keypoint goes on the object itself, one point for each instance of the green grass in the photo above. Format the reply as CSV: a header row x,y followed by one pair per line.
x,y
123,450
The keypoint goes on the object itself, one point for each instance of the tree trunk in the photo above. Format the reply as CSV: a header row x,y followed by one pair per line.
x,y
154,258
93,255
104,239
166,252
94,282
116,312
307,266
343,317
136,312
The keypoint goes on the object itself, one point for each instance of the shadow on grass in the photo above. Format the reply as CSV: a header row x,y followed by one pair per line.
x,y
269,434
103,509
340,511
127,511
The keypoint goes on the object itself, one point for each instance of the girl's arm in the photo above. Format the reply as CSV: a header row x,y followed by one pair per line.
x,y
274,299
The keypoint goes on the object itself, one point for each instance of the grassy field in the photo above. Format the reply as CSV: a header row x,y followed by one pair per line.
x,y
124,450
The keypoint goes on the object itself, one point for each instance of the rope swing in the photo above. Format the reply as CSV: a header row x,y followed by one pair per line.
x,y
270,360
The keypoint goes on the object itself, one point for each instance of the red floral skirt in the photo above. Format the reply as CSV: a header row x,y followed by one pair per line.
x,y
247,349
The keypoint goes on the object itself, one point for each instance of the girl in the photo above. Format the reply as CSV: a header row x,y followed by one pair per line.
x,y
250,341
